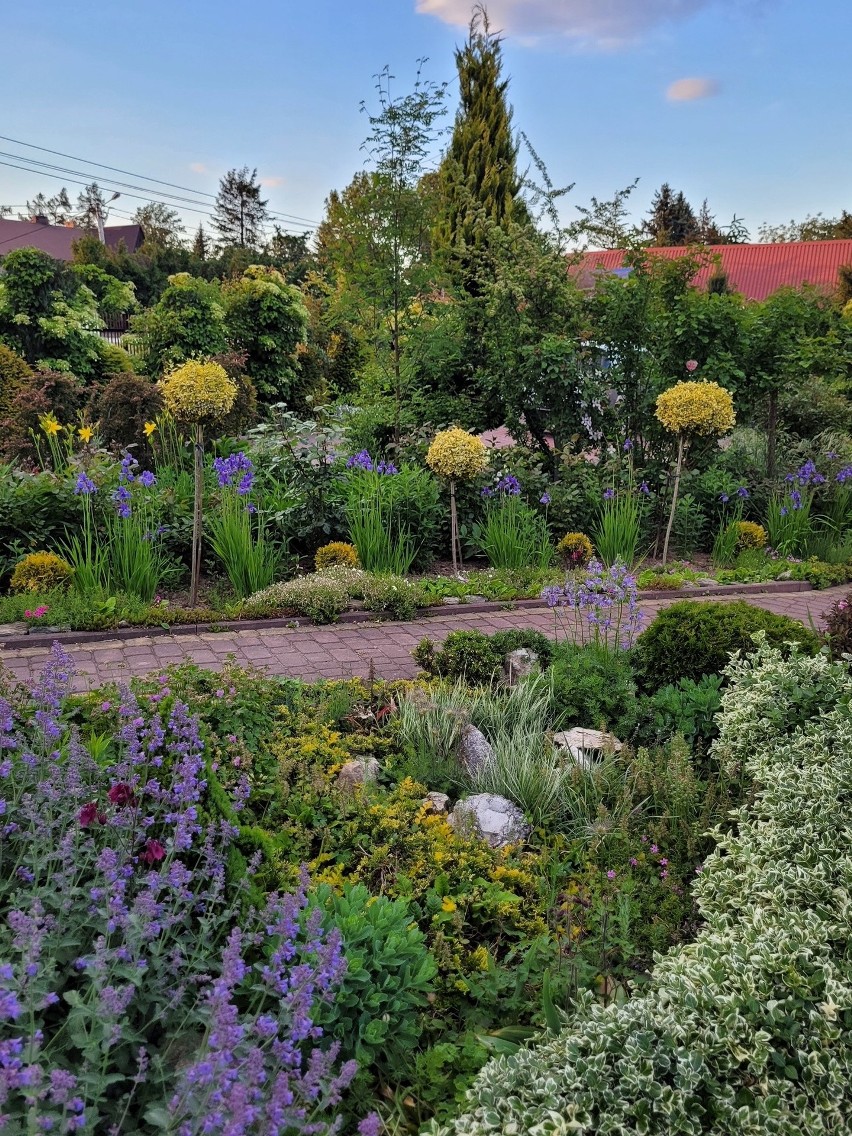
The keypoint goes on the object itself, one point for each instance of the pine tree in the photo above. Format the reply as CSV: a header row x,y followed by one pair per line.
x,y
201,245
90,204
479,181
709,232
240,213
672,220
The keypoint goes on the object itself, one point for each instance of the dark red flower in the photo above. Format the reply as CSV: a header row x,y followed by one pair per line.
x,y
88,814
153,852
121,794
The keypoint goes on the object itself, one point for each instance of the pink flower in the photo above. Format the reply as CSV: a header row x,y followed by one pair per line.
x,y
663,861
663,873
610,874
105,706
121,794
654,849
633,862
220,694
691,365
91,813
154,851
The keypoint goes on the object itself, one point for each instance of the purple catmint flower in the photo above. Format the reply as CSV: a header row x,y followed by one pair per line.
x,y
84,485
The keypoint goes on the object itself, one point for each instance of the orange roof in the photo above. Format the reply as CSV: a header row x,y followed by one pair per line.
x,y
754,270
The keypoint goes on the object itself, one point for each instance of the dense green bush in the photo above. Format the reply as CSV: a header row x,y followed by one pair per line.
x,y
688,708
475,658
747,1030
376,1012
593,687
393,596
697,637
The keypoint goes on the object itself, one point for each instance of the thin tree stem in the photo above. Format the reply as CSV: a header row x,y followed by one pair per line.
x,y
196,516
674,498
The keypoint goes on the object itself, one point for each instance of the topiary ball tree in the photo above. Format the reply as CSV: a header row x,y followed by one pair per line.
x,y
456,455
195,394
690,409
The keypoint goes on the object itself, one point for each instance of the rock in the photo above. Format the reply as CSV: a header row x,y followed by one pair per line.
x,y
492,818
475,750
786,575
475,599
708,582
519,665
451,601
586,747
438,801
19,628
357,772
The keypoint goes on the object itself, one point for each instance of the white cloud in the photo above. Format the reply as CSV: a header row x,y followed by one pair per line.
x,y
591,23
688,90
198,168
271,181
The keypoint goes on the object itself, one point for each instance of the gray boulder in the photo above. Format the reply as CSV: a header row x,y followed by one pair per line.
x,y
519,665
475,750
490,817
438,801
357,772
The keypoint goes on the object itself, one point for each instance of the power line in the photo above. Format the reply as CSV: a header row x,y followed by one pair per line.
x,y
145,196
144,177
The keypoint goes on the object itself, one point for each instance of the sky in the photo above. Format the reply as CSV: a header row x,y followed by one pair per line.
x,y
747,103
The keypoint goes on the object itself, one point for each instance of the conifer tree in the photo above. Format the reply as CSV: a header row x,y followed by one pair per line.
x,y
201,245
672,220
479,182
240,213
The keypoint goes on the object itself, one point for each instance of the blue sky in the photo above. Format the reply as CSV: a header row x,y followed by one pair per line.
x,y
745,102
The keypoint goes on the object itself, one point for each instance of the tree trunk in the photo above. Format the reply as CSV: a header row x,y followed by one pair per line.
x,y
196,516
454,530
674,498
771,433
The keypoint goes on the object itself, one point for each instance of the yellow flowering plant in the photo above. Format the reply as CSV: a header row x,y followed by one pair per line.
x,y
456,455
688,409
195,393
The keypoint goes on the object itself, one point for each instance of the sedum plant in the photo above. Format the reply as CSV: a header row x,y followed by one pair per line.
x,y
747,1030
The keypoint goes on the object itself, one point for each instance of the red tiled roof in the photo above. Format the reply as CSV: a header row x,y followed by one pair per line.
x,y
56,240
754,270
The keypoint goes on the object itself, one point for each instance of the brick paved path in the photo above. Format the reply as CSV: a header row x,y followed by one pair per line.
x,y
337,651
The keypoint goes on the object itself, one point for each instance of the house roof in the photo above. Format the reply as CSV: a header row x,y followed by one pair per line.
x,y
56,240
754,270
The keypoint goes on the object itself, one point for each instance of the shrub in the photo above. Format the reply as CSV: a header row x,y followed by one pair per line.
x,y
750,535
13,371
243,413
457,455
838,626
389,971
697,637
575,550
122,407
393,595
688,708
504,642
821,575
696,408
593,687
198,392
320,597
336,554
466,656
114,360
41,572
745,1030
45,392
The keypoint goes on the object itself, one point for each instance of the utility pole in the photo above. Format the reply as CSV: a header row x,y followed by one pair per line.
x,y
99,218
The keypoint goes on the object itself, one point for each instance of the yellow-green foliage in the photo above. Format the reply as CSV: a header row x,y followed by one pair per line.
x,y
457,455
40,572
750,535
696,408
336,554
197,392
575,550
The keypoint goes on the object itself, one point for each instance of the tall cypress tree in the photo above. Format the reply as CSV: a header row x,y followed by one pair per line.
x,y
479,182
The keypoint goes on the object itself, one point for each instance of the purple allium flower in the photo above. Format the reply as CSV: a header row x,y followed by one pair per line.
x,y
85,485
633,862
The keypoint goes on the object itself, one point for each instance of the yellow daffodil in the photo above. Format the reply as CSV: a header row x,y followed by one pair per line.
x,y
149,428
49,424
86,434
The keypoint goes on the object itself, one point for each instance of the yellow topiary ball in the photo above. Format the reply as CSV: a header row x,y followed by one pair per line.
x,y
197,392
751,535
40,572
575,550
336,554
696,408
457,455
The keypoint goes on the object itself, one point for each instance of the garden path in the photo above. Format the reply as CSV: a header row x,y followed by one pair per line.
x,y
336,651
